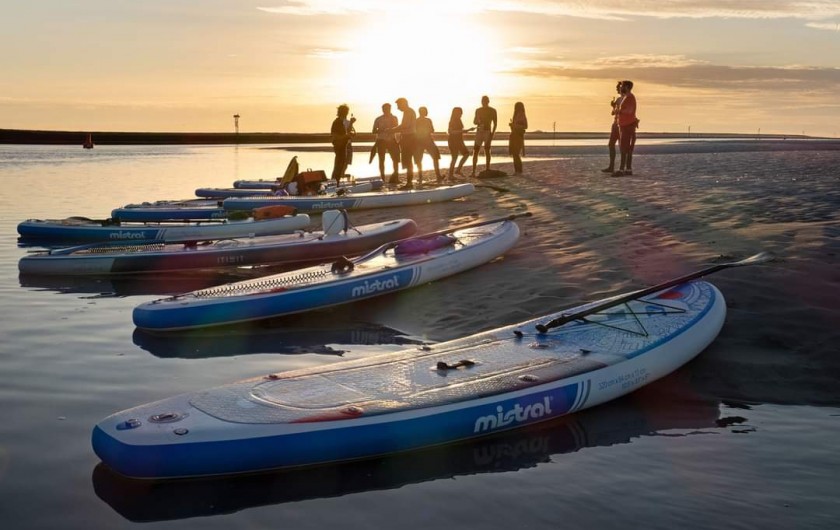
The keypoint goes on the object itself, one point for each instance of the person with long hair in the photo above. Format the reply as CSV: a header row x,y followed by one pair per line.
x,y
426,143
516,143
455,140
341,133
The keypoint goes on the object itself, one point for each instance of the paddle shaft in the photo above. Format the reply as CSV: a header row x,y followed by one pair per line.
x,y
559,321
392,244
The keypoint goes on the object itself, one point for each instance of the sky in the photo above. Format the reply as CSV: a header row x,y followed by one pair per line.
x,y
713,66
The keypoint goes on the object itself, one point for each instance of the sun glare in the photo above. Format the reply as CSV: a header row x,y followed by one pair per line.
x,y
432,57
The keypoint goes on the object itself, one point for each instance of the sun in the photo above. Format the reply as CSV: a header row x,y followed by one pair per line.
x,y
432,57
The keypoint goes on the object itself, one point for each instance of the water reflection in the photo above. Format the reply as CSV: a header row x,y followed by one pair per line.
x,y
663,406
291,335
129,285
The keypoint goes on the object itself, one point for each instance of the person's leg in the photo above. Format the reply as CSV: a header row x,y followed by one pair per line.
x,y
464,158
515,150
630,151
435,153
476,149
611,146
340,162
418,159
408,159
487,151
624,146
394,150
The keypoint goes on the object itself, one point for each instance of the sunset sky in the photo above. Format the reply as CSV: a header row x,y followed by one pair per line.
x,y
284,65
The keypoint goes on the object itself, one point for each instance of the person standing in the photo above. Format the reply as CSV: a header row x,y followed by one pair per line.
x,y
615,103
455,140
341,133
485,121
408,142
627,125
385,141
426,143
516,142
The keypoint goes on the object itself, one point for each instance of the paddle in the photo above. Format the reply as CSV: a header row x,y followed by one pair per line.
x,y
559,321
392,244
510,217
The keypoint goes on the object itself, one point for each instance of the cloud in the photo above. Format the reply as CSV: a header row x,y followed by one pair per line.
x,y
828,26
681,72
327,53
355,7
812,10
766,9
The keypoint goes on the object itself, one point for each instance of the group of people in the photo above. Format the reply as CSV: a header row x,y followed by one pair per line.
x,y
407,140
623,129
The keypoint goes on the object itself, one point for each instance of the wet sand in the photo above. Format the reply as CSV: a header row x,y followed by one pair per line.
x,y
687,205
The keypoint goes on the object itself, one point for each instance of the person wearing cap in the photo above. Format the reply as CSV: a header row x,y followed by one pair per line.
x,y
408,142
485,121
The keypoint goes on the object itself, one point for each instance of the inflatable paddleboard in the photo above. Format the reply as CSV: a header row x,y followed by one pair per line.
x,y
328,187
332,242
84,230
389,269
418,397
355,201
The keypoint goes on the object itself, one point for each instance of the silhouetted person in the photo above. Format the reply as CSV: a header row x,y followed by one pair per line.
x,y
614,104
485,121
516,143
408,141
426,143
385,141
627,125
457,147
341,133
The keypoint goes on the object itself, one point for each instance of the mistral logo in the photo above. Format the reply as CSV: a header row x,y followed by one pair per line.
x,y
517,414
375,286
327,205
126,235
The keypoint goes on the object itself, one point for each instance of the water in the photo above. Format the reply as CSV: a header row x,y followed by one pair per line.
x,y
672,454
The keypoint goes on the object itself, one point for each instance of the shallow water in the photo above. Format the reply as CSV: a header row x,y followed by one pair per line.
x,y
666,456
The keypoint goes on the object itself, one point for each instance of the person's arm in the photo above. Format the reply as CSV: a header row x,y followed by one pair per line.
x,y
399,127
628,105
337,131
494,119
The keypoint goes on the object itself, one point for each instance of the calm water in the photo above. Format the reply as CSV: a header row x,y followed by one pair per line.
x,y
664,457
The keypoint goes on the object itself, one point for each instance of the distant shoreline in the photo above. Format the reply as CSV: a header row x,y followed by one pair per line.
x,y
38,137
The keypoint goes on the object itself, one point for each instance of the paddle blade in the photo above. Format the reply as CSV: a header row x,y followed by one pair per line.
x,y
761,257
